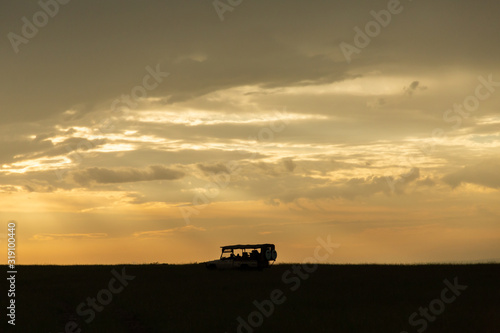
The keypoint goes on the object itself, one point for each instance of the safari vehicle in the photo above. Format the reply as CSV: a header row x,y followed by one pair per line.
x,y
249,256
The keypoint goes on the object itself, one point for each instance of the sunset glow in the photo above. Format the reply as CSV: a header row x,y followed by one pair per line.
x,y
261,132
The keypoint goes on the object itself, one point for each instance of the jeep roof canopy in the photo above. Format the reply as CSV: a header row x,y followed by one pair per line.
x,y
248,246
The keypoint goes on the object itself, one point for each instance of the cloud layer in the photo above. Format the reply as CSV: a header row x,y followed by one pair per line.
x,y
262,130
125,175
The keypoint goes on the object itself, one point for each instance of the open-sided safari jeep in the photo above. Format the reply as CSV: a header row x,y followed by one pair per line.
x,y
244,257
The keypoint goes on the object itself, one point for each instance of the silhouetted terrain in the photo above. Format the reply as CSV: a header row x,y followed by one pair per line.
x,y
189,298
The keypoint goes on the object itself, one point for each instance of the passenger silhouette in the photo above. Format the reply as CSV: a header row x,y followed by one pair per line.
x,y
254,254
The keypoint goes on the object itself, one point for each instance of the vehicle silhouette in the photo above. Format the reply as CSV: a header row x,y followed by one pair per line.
x,y
249,256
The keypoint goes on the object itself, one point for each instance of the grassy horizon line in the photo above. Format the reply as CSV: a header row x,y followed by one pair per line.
x,y
480,262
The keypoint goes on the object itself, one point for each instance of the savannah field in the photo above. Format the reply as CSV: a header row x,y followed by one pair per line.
x,y
283,298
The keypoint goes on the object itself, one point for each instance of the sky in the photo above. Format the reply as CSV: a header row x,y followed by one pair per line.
x,y
158,131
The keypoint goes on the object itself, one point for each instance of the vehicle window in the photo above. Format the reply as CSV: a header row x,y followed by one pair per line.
x,y
227,254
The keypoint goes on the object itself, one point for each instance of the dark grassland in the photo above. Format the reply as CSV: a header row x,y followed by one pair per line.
x,y
189,298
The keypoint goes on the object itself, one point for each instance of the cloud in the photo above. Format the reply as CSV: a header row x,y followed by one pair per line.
x,y
167,232
35,185
213,168
289,164
47,237
293,187
414,87
272,202
290,45
426,182
485,173
11,150
10,188
226,103
18,154
411,89
377,103
125,175
364,187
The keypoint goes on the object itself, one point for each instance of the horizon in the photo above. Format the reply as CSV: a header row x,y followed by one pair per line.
x,y
458,263
156,132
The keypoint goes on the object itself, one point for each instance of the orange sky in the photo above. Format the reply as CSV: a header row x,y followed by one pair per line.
x,y
159,133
